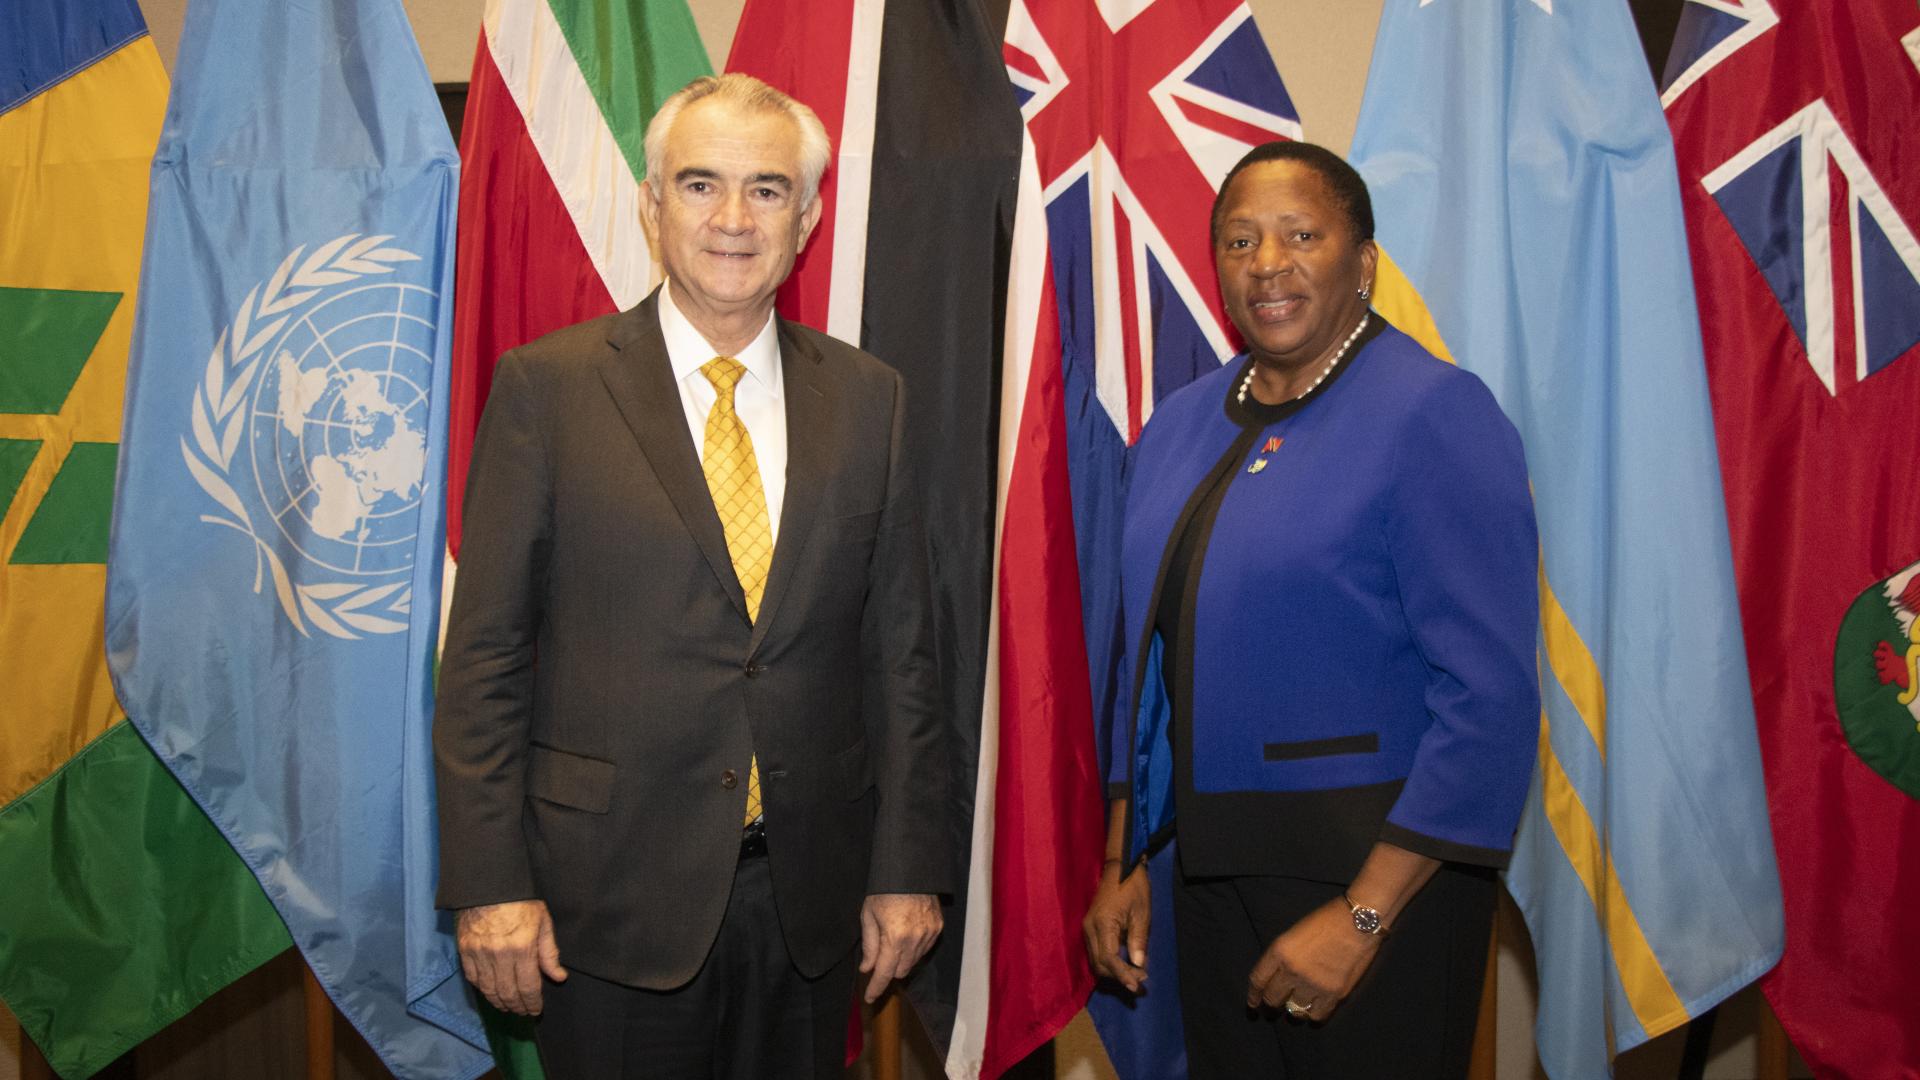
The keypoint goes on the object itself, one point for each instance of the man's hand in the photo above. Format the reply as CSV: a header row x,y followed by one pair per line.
x,y
505,948
1314,964
1121,912
896,930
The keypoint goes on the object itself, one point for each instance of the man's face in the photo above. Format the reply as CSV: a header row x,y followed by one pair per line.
x,y
728,221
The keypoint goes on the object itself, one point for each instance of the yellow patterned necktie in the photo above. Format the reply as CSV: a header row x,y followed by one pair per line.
x,y
733,478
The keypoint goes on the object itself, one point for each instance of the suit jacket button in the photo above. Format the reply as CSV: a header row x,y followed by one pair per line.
x,y
753,670
729,779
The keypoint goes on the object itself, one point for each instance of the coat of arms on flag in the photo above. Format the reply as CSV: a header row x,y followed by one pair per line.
x,y
326,377
1876,678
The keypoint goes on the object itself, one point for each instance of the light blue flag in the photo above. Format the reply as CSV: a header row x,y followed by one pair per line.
x,y
1524,180
274,571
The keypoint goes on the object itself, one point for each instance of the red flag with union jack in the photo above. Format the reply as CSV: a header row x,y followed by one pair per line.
x,y
1793,120
1134,111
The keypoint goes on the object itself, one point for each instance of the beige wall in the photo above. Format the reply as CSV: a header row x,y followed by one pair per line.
x,y
1322,48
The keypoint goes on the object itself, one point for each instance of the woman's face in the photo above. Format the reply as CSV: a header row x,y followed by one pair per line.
x,y
1290,265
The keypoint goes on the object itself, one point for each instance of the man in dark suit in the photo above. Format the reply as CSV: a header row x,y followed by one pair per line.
x,y
687,758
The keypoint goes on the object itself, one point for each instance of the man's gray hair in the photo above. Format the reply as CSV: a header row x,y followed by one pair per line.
x,y
752,95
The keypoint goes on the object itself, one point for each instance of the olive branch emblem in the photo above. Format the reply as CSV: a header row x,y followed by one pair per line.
x,y
340,609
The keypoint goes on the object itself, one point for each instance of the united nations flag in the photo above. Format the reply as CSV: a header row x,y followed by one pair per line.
x,y
274,567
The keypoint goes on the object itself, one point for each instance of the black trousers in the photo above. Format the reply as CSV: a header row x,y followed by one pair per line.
x,y
1411,1017
748,1015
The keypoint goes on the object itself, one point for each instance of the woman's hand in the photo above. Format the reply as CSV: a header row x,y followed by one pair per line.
x,y
1314,964
1119,916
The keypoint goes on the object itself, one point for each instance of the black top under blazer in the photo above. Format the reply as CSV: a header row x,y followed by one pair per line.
x,y
602,687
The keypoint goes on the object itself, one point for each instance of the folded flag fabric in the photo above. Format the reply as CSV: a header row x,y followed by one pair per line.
x,y
1800,175
551,166
1133,114
915,100
1524,182
121,907
274,569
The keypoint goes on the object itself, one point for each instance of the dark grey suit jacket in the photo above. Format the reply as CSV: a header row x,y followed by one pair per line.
x,y
602,687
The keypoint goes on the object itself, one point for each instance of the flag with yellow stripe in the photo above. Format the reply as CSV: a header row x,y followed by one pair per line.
x,y
1524,181
121,907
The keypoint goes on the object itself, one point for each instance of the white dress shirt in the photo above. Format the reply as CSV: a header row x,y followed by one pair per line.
x,y
759,399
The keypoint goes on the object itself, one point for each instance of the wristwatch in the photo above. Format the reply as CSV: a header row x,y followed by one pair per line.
x,y
1365,919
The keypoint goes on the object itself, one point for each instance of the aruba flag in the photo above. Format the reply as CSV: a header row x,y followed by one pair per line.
x,y
1524,179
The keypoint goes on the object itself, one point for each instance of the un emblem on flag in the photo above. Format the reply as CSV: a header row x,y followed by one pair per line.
x,y
324,375
1876,678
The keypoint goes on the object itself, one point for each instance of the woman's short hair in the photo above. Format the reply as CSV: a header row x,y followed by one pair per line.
x,y
1349,190
752,95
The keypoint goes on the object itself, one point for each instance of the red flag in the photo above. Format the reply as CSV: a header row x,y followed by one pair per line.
x,y
827,56
1133,113
1793,120
550,168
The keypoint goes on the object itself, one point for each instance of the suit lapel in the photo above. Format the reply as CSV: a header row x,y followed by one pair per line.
x,y
637,374
809,445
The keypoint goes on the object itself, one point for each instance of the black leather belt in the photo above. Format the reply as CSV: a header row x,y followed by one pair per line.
x,y
753,840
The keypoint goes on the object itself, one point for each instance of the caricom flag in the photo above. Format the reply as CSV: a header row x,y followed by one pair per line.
x,y
272,595
121,908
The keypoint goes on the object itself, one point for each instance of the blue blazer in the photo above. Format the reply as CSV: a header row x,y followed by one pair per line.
x,y
1362,633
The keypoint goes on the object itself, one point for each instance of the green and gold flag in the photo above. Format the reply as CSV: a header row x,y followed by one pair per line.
x,y
120,906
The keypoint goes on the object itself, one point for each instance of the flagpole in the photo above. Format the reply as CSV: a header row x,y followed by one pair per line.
x,y
886,1038
319,1026
1486,1028
1774,1049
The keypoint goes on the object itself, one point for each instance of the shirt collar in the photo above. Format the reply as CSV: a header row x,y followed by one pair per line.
x,y
688,350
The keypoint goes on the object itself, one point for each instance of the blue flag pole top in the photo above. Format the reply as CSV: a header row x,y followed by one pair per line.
x,y
1524,179
274,576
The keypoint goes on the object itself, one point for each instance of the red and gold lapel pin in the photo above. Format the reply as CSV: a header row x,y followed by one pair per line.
x,y
1259,463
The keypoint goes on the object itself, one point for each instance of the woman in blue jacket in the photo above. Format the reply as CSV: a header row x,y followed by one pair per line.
x,y
1329,585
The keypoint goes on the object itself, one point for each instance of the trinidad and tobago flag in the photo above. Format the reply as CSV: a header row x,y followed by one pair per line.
x,y
909,262
1793,120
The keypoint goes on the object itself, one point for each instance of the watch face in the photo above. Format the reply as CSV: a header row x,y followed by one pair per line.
x,y
1366,920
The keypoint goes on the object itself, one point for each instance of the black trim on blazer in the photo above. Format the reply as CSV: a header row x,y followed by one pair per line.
x,y
1368,743
1241,444
1444,850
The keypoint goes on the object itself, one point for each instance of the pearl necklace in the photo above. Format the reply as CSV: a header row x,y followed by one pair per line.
x,y
1247,383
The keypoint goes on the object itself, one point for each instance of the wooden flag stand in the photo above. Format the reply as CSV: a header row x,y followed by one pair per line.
x,y
319,1010
886,1037
1486,1029
1774,1048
